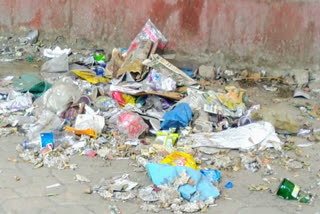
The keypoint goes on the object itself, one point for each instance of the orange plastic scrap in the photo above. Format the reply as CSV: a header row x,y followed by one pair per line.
x,y
88,132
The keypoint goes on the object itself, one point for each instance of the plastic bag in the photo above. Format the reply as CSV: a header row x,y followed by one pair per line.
x,y
131,124
158,103
149,32
85,121
160,82
58,98
180,159
105,103
47,121
123,99
58,64
180,116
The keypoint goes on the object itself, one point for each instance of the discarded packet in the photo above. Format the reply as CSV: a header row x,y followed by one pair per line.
x,y
149,32
180,159
167,139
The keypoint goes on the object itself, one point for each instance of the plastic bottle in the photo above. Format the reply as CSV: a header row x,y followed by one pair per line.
x,y
31,145
55,139
32,37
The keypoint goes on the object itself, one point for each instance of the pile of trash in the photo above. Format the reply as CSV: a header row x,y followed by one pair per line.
x,y
139,106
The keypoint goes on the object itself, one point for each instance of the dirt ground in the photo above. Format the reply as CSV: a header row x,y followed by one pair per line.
x,y
27,192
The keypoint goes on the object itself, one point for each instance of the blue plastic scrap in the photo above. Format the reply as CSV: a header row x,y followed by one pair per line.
x,y
179,116
212,174
162,174
229,185
188,72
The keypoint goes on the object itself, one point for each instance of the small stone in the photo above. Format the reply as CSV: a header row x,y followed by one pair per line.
x,y
206,72
88,191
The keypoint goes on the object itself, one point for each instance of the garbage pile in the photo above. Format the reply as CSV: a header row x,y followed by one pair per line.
x,y
139,106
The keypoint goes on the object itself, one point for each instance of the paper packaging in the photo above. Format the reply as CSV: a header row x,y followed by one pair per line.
x,y
163,66
168,139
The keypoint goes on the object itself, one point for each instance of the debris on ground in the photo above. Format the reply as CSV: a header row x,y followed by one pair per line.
x,y
189,131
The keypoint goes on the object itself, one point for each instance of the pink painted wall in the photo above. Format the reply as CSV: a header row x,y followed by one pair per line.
x,y
281,28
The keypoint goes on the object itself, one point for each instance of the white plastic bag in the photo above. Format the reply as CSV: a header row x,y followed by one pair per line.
x,y
58,98
86,121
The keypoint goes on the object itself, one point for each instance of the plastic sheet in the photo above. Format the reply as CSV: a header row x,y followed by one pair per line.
x,y
54,53
244,137
31,83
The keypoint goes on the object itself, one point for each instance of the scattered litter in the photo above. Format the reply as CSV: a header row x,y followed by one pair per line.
x,y
298,93
258,187
81,178
52,194
189,126
53,186
114,209
148,194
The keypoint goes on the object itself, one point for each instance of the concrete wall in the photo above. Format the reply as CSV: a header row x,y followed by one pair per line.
x,y
276,30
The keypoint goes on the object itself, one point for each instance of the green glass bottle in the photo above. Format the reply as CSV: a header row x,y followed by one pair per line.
x,y
289,191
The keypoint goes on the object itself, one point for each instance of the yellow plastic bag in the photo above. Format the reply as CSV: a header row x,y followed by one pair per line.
x,y
90,76
180,159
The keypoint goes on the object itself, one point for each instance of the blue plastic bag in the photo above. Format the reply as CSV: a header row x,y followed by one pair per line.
x,y
179,116
203,189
